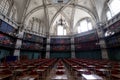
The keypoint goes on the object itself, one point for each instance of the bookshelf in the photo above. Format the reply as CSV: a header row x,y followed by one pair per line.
x,y
60,44
86,42
33,42
7,35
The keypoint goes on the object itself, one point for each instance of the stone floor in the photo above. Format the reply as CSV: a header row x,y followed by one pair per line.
x,y
70,77
52,73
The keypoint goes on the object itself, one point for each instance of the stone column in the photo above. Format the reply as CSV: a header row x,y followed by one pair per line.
x,y
103,49
48,48
18,45
72,48
102,43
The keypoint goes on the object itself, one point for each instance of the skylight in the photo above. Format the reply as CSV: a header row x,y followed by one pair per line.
x,y
60,1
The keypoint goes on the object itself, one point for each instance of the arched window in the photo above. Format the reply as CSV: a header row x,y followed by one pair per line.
x,y
109,15
61,27
61,30
84,25
4,6
36,24
13,13
114,6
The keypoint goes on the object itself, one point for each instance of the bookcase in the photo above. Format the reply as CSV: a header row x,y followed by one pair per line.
x,y
86,46
7,35
60,44
60,47
86,42
33,42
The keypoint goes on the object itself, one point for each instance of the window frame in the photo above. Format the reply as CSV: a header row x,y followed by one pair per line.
x,y
4,6
110,14
89,21
64,30
111,9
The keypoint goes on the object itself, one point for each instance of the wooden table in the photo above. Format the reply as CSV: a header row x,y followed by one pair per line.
x,y
37,64
45,66
116,75
104,71
42,71
91,77
81,70
5,76
118,69
60,66
60,69
59,77
75,66
2,69
20,70
107,66
91,66
29,77
30,67
14,67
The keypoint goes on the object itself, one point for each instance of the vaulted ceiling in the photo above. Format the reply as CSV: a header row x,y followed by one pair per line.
x,y
50,10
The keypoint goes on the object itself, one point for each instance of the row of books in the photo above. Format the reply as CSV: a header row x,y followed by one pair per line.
x,y
86,38
115,27
113,41
7,29
6,41
32,46
34,38
60,41
60,48
87,46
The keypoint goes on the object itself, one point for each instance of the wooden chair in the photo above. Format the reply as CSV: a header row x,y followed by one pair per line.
x,y
59,72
